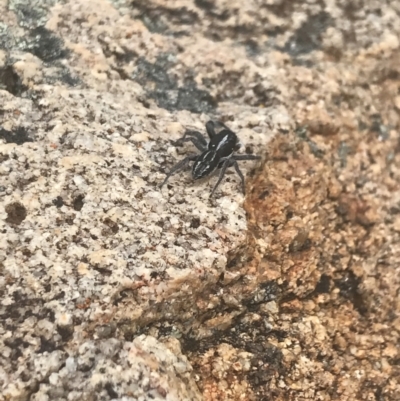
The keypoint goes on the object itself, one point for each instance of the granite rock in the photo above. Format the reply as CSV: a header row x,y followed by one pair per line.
x,y
114,289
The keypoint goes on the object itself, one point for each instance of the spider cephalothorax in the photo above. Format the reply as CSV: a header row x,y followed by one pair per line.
x,y
218,153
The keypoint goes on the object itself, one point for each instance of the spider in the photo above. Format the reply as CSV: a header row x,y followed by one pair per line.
x,y
217,154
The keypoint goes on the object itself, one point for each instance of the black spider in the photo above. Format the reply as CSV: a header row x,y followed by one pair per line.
x,y
218,153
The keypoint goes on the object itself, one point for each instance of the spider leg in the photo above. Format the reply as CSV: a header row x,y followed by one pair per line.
x,y
232,162
199,136
224,166
178,167
195,137
235,163
210,129
240,174
246,157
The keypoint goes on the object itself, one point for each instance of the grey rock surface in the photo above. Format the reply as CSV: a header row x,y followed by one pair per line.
x,y
112,289
91,250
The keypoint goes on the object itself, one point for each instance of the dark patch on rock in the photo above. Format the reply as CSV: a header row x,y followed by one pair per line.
x,y
110,391
379,392
213,13
205,4
195,222
234,260
300,242
66,77
15,344
18,136
252,47
165,329
45,45
378,127
58,202
78,203
103,271
11,81
348,285
323,285
163,19
189,98
229,85
156,73
211,19
62,74
16,213
267,292
267,359
29,14
308,37
165,90
352,10
282,9
66,332
111,228
271,290
46,345
217,29
25,180
302,132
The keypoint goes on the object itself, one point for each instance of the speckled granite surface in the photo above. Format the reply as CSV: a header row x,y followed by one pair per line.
x,y
113,289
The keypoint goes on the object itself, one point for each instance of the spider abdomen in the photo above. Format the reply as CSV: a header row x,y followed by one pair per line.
x,y
205,164
220,148
224,143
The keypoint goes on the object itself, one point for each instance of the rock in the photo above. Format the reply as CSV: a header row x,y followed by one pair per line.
x,y
114,289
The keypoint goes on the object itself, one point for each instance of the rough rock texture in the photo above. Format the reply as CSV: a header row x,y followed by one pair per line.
x,y
113,289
